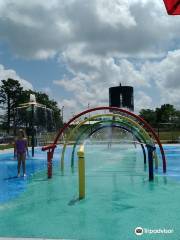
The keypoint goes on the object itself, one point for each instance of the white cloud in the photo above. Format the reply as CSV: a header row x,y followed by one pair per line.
x,y
100,43
41,29
167,71
10,73
70,108
92,77
142,101
115,13
164,75
155,82
44,54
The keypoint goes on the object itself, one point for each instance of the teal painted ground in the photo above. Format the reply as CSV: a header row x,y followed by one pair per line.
x,y
119,198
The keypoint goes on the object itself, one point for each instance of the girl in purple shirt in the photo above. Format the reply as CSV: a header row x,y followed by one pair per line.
x,y
20,149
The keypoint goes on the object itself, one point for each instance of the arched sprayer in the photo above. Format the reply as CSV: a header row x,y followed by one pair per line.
x,y
116,124
126,129
50,148
122,119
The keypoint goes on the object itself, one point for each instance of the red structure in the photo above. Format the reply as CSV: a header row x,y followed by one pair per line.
x,y
49,158
172,7
51,147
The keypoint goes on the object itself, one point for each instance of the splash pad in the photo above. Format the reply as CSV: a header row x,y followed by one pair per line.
x,y
75,132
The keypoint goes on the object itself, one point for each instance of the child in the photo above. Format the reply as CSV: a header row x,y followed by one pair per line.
x,y
20,149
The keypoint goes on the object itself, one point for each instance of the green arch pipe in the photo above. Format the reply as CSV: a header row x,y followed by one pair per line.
x,y
96,124
135,124
125,129
122,118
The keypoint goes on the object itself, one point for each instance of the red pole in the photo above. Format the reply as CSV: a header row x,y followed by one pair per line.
x,y
50,153
49,164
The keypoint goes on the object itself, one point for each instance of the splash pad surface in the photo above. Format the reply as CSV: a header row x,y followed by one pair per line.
x,y
119,196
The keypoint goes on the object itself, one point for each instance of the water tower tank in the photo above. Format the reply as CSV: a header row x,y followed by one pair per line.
x,y
121,96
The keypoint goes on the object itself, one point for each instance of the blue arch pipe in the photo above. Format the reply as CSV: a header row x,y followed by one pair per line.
x,y
133,131
150,150
126,129
107,126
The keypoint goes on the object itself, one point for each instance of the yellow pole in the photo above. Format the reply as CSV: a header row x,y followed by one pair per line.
x,y
81,168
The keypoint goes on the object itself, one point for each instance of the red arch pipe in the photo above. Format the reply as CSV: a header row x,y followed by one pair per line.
x,y
148,127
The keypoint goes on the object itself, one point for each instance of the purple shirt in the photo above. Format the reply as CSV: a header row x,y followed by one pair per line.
x,y
21,146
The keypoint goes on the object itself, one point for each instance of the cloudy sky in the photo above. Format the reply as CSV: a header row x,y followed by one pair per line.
x,y
76,49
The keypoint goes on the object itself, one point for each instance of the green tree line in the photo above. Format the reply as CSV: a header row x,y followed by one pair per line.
x,y
165,116
12,95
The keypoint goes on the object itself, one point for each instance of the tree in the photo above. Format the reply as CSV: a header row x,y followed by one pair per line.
x,y
43,98
149,115
10,93
165,113
51,118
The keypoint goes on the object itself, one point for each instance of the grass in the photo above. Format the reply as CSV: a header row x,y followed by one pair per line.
x,y
6,146
165,137
169,136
